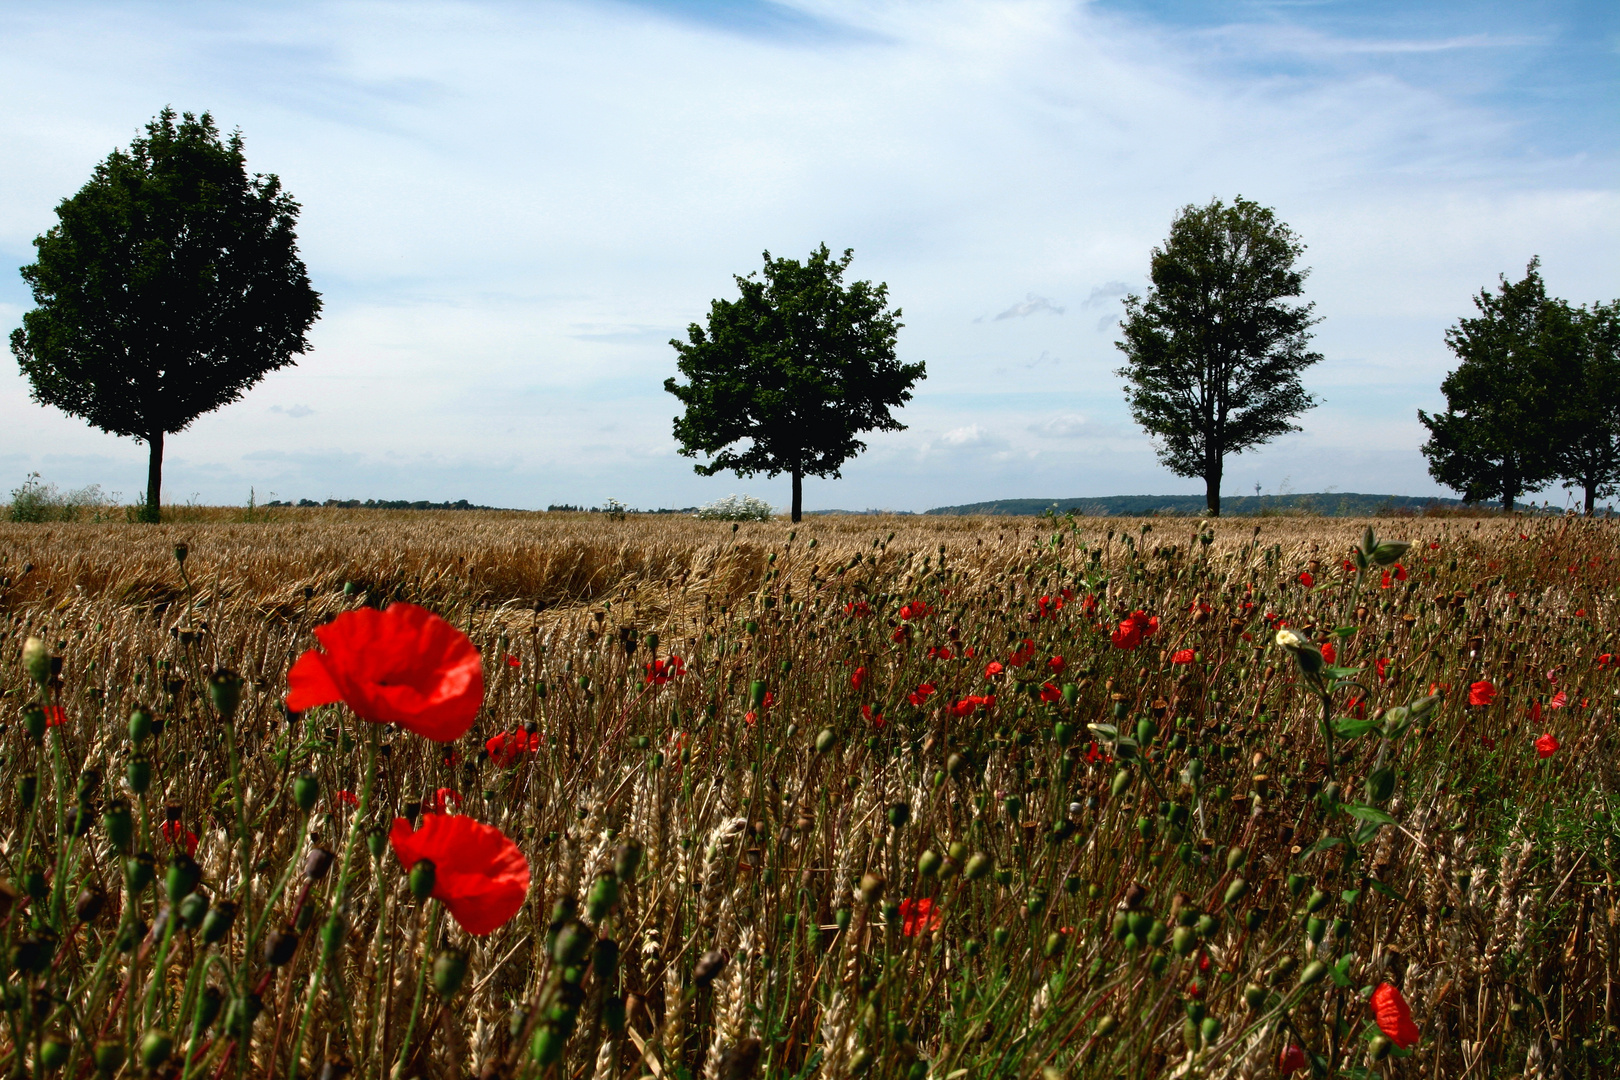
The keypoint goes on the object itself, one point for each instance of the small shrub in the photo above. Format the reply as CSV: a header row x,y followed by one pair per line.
x,y
736,508
36,501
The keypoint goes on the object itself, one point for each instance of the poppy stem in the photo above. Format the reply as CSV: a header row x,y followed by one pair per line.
x,y
421,981
334,921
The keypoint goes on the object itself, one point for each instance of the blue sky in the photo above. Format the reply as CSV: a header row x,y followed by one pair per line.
x,y
510,208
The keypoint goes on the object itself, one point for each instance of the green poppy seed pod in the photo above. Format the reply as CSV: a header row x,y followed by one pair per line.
x,y
422,878
193,909
140,724
613,1014
1184,940
108,1056
1315,928
1253,918
317,863
27,790
571,944
1423,705
139,870
1145,827
1236,890
546,1047
333,931
1122,781
860,1062
955,765
1194,1010
35,883
1380,785
841,918
79,820
1146,730
1378,1047
652,642
1317,902
1341,929
54,1052
1254,997
449,970
957,852
899,814
1054,944
627,861
1235,858
206,1010
306,789
377,843
756,688
1121,710
605,959
89,904
1314,972
603,897
182,876
156,1046
225,690
1156,934
1210,1029
1122,925
871,888
34,721
1189,1035
708,968
217,923
36,660
978,866
928,865
138,773
241,1014
119,824
825,740
1388,552
279,946
1071,694
1330,795
1106,1026
1296,884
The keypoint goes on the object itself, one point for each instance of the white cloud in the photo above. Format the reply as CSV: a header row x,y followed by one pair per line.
x,y
1030,305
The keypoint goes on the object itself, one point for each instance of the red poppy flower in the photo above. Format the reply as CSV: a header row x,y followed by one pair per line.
x,y
508,747
176,834
1381,666
1134,630
939,652
1349,567
915,610
1559,700
1306,579
1329,653
1394,1016
402,666
857,609
921,694
1605,659
1022,654
1182,656
858,679
1056,665
973,702
1400,572
1547,745
993,668
445,797
347,798
1482,692
1094,755
479,874
55,716
1487,742
873,718
1291,1060
1050,693
512,661
660,672
1385,581
902,634
1434,546
917,916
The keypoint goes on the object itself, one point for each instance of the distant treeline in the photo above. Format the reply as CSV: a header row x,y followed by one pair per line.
x,y
385,504
1325,504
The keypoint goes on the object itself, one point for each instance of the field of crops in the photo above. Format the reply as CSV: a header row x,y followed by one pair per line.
x,y
949,798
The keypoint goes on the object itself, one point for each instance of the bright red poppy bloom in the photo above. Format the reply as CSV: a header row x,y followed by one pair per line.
x,y
1394,1016
940,652
873,718
1050,693
1291,1060
1329,653
1306,579
1381,666
660,672
508,747
1182,656
1482,692
858,609
1134,630
346,797
445,797
902,634
858,679
402,666
917,916
973,702
921,694
1558,701
55,716
479,874
176,834
1056,665
1022,654
993,668
512,661
1547,745
1605,659
915,610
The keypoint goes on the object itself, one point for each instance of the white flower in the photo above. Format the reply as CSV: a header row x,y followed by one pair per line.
x,y
1289,640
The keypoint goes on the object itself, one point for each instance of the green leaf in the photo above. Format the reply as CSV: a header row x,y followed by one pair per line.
x,y
1367,833
1350,896
1379,886
1345,631
1368,813
1336,673
1322,845
1352,727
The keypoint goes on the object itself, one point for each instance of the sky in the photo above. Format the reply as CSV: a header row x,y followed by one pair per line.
x,y
510,208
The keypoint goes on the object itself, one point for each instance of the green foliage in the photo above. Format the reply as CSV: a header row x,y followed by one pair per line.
x,y
1213,351
736,508
170,284
798,366
36,501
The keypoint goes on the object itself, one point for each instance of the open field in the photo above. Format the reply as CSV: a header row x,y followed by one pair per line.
x,y
863,852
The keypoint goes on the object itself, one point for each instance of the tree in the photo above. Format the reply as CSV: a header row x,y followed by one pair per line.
x,y
1587,445
1214,351
170,284
798,366
1497,437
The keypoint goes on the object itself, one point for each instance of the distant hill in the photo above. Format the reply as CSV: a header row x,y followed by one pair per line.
x,y
1325,503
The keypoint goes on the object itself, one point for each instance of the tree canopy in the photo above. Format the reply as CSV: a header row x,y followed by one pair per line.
x,y
1214,351
170,284
796,369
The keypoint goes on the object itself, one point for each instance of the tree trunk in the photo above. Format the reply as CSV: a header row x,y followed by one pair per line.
x,y
798,494
1212,488
1591,497
154,478
1507,503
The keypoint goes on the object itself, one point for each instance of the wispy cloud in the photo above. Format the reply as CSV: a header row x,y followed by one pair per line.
x,y
297,412
1031,305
